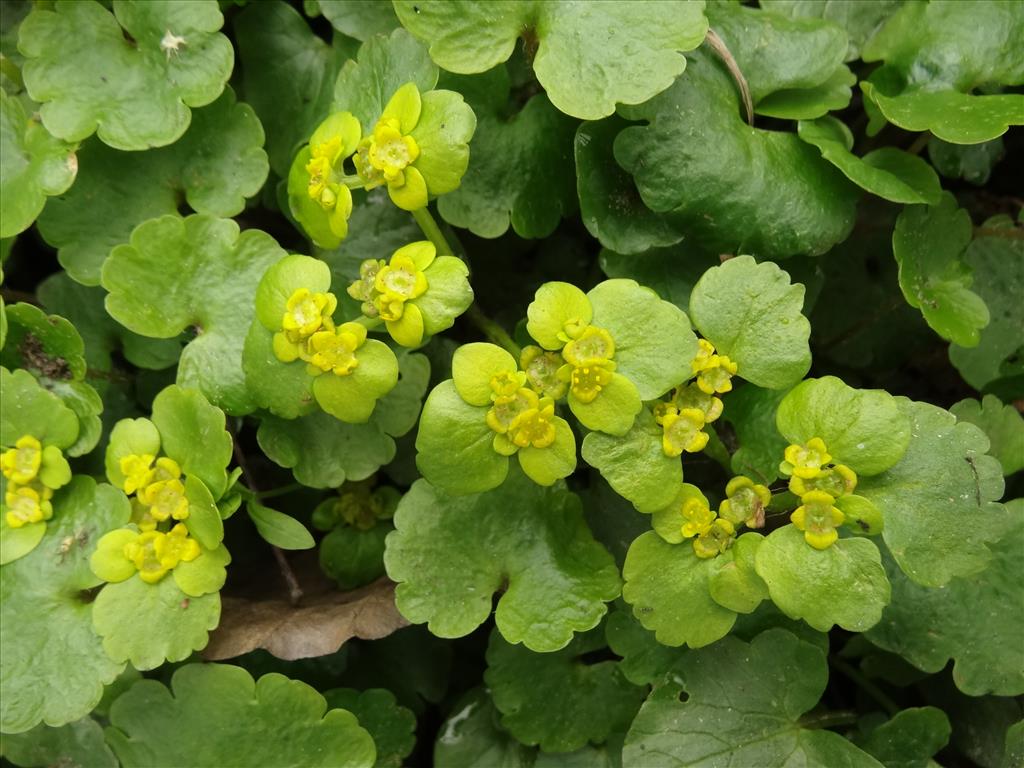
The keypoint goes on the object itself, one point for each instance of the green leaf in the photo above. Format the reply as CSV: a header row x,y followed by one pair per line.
x,y
776,53
451,554
224,719
323,452
199,273
860,20
353,557
639,55
522,171
18,542
888,172
644,659
934,55
558,700
279,529
1014,751
937,529
971,162
862,428
288,75
46,345
76,744
745,190
360,19
653,341
668,587
610,204
809,103
215,166
670,272
734,583
977,620
53,667
909,739
734,713
635,465
392,726
454,445
148,624
192,432
102,335
1002,424
997,259
31,410
472,737
365,85
35,166
204,521
843,584
130,76
752,313
751,411
204,575
928,243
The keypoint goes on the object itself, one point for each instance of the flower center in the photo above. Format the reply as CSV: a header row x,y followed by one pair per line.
x,y
533,427
587,381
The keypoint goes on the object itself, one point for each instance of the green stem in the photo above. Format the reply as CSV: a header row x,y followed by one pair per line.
x,y
432,231
829,719
862,682
919,143
261,495
494,332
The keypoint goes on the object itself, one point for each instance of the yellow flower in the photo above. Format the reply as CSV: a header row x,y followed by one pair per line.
x,y
27,504
506,408
389,154
692,396
714,372
805,461
507,384
683,431
155,553
364,289
818,519
136,469
745,502
335,351
397,283
306,313
593,345
715,540
165,499
20,464
587,381
699,518
533,426
836,481
541,368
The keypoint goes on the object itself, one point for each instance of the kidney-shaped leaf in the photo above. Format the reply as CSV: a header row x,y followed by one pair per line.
x,y
223,719
197,273
53,667
131,75
589,56
450,554
735,189
744,707
752,313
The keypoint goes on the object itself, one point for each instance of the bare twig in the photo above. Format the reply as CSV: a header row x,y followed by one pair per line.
x,y
719,47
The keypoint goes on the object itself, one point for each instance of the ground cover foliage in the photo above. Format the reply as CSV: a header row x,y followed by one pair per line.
x,y
511,383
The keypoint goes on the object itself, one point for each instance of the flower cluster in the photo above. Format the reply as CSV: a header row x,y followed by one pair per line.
x,y
404,291
818,483
417,148
33,473
712,533
694,404
358,505
156,489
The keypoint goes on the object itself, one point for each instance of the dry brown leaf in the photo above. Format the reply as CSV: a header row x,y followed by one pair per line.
x,y
323,621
